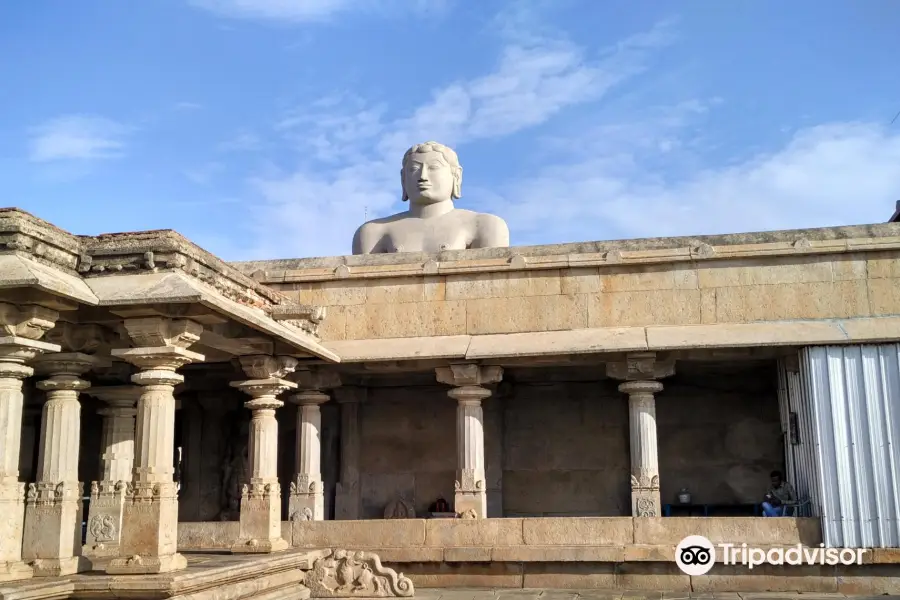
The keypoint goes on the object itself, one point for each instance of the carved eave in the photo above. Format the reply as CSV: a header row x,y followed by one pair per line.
x,y
26,234
305,317
130,294
19,271
164,251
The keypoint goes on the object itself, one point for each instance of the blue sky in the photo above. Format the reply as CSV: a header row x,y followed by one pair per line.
x,y
273,128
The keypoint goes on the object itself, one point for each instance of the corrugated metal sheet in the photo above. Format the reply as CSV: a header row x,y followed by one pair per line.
x,y
851,397
800,442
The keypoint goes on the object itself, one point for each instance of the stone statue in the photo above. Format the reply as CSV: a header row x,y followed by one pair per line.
x,y
431,177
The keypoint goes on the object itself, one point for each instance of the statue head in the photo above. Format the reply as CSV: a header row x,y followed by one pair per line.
x,y
431,173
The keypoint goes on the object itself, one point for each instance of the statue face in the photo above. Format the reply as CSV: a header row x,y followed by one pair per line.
x,y
428,178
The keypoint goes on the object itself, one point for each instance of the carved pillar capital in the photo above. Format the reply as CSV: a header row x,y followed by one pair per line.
x,y
309,398
85,338
28,321
468,374
117,396
263,366
316,379
350,395
641,366
163,332
638,388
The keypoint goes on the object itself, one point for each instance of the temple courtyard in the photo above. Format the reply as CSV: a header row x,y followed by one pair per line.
x,y
422,417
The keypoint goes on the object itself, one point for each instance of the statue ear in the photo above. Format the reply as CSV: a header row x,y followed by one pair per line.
x,y
403,186
457,184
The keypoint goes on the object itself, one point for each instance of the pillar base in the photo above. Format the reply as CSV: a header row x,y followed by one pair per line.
x,y
470,505
58,567
146,565
15,571
646,502
149,530
104,526
12,507
260,519
307,507
257,546
52,532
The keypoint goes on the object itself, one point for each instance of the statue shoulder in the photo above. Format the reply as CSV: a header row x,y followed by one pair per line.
x,y
367,237
493,232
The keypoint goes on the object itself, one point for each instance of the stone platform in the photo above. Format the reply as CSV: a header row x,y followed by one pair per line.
x,y
603,553
560,594
290,575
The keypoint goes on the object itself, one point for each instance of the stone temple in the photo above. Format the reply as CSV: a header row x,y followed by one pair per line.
x,y
443,410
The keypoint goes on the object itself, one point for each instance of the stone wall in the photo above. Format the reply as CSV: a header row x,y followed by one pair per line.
x,y
565,444
522,299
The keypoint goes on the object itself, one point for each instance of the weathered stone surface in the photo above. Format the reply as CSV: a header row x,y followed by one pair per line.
x,y
363,534
590,531
731,530
477,532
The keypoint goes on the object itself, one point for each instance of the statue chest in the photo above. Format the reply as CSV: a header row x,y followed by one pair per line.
x,y
418,236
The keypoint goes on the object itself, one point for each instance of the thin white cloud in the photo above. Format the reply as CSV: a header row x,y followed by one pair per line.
x,y
243,141
186,106
305,11
826,175
77,137
205,173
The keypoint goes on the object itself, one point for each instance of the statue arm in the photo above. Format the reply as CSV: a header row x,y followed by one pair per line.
x,y
365,240
492,232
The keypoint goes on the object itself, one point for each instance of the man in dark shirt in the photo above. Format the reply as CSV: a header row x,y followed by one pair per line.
x,y
779,494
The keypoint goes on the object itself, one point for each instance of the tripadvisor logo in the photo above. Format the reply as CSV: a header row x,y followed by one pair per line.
x,y
696,555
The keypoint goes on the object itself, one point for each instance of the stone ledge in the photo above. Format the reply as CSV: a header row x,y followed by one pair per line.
x,y
826,240
622,339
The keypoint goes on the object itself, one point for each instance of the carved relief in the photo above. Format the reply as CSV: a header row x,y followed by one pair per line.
x,y
644,481
45,493
345,574
469,514
103,528
304,514
469,481
303,484
646,507
260,491
399,509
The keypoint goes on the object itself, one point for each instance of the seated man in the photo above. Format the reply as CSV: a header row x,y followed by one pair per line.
x,y
778,495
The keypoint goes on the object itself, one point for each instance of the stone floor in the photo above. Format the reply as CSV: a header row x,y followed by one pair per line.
x,y
550,594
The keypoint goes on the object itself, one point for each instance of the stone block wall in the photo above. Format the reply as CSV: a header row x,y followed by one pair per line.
x,y
734,290
564,446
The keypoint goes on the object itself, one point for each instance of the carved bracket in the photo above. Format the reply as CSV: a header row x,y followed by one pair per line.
x,y
641,366
29,321
469,375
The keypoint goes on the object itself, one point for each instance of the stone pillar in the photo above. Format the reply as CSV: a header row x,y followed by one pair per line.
x,y
150,518
53,505
107,505
261,496
307,501
470,499
22,327
640,370
347,497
